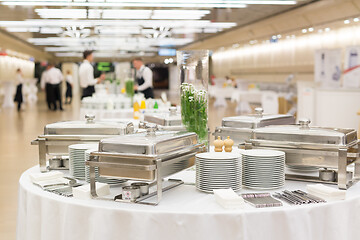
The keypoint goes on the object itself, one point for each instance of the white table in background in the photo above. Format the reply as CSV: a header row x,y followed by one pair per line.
x,y
8,89
183,213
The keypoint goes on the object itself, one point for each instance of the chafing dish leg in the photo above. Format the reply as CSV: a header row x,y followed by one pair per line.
x,y
342,181
158,180
357,165
92,182
42,155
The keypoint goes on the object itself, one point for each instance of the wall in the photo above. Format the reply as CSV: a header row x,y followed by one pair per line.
x,y
9,65
274,61
9,42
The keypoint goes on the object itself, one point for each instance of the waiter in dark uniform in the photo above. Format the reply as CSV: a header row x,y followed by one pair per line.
x,y
86,75
144,78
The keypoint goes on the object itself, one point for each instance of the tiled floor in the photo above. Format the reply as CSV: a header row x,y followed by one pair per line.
x,y
17,130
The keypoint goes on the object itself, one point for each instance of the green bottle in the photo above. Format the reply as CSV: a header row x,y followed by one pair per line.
x,y
156,106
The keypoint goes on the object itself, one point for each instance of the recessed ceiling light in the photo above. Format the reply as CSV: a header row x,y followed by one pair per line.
x,y
311,29
347,21
356,19
304,30
327,29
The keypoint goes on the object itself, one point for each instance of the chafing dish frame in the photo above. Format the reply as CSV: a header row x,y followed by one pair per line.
x,y
57,145
340,157
242,134
156,163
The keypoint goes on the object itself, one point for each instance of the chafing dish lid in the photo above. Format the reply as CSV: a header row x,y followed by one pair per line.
x,y
88,127
257,120
153,143
171,118
305,134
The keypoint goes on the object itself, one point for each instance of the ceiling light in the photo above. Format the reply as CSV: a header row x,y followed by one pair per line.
x,y
175,4
327,29
151,3
356,19
273,37
118,23
304,30
19,29
278,36
311,29
347,21
236,45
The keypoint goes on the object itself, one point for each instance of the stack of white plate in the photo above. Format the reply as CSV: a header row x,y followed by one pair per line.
x,y
77,159
109,181
218,170
263,169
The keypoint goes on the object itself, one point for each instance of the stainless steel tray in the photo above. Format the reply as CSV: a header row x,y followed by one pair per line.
x,y
172,118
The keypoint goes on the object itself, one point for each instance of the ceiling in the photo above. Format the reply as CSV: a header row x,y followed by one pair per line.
x,y
124,29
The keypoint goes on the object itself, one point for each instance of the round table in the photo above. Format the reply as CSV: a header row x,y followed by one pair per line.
x,y
183,213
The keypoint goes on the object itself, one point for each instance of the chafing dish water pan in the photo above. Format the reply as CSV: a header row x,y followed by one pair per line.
x,y
307,146
53,144
145,156
240,128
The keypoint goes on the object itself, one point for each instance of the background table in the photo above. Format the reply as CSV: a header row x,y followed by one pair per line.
x,y
183,213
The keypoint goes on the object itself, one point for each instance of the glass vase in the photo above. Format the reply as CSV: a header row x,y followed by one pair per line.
x,y
193,71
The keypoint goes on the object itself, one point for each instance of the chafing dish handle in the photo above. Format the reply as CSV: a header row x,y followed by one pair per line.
x,y
121,165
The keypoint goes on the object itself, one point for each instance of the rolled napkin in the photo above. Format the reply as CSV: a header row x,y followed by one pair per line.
x,y
325,192
37,177
227,198
83,192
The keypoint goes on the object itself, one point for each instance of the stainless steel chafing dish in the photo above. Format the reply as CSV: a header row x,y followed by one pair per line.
x,y
307,146
53,144
240,128
145,156
166,121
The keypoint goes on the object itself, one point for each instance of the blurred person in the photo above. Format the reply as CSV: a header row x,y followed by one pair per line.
x,y
19,83
233,82
52,78
69,85
144,78
46,86
86,75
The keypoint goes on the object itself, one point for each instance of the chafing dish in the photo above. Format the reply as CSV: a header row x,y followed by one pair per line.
x,y
53,144
307,146
166,121
146,156
240,128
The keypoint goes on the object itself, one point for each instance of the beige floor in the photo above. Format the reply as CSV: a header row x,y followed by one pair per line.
x,y
17,130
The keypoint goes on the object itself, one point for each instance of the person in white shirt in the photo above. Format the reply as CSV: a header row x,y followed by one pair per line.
x,y
19,82
86,75
144,78
69,84
51,79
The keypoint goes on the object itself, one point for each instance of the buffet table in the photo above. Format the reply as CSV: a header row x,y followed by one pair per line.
x,y
183,213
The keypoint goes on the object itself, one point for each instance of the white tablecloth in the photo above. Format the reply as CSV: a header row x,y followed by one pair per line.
x,y
183,213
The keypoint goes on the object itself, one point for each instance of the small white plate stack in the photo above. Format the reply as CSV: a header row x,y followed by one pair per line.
x,y
263,169
77,159
218,170
109,181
